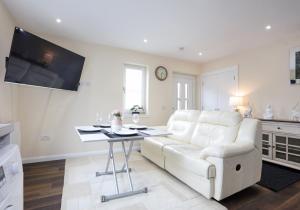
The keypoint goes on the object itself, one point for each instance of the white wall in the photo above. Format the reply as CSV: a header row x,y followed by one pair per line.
x,y
8,94
264,77
54,113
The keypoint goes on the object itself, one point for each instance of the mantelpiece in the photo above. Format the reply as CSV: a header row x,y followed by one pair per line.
x,y
281,142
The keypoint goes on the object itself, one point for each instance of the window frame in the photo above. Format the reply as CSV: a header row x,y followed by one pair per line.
x,y
144,69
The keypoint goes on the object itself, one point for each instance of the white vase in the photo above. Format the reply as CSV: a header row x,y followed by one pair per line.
x,y
116,124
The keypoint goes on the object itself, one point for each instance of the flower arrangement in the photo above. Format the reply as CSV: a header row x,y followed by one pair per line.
x,y
116,113
116,123
137,109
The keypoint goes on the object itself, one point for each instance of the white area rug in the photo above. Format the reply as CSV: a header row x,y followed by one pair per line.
x,y
83,190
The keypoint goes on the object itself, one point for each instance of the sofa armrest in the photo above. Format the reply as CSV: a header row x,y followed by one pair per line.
x,y
243,168
226,151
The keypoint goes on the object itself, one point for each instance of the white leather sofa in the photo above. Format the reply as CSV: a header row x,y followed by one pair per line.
x,y
215,153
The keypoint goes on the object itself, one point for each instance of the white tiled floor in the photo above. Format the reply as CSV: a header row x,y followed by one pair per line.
x,y
82,189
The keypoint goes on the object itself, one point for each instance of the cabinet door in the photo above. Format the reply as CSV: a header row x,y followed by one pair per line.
x,y
293,150
267,145
280,147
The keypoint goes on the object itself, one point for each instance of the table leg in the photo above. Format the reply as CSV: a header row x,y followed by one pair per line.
x,y
114,167
108,160
105,198
126,164
128,154
123,170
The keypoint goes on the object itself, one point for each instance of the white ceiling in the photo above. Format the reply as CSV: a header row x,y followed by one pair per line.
x,y
215,27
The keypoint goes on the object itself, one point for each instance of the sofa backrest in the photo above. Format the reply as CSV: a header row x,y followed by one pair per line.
x,y
182,124
216,128
250,133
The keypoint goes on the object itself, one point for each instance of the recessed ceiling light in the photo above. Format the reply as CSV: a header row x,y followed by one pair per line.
x,y
58,20
200,53
268,27
145,40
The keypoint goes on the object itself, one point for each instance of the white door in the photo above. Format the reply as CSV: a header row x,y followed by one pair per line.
x,y
217,87
184,91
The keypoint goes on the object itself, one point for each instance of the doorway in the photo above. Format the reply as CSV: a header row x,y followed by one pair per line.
x,y
217,87
184,91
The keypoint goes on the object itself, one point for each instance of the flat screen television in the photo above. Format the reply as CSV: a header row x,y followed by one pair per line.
x,y
36,61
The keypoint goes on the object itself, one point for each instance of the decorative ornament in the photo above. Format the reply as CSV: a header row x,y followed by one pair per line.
x,y
268,115
295,115
248,112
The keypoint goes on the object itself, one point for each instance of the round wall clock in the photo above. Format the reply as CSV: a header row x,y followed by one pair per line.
x,y
161,73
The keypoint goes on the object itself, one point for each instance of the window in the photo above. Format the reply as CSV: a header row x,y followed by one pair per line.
x,y
135,86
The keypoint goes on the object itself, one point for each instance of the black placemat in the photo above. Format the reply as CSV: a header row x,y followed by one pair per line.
x,y
81,132
111,135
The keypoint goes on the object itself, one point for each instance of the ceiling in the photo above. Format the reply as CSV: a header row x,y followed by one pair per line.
x,y
214,27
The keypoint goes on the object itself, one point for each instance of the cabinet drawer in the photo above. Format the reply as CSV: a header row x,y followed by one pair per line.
x,y
283,128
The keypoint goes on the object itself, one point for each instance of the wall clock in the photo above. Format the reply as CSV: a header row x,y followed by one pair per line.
x,y
161,73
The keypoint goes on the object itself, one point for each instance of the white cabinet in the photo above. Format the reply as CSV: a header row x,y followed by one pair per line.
x,y
5,134
281,142
267,145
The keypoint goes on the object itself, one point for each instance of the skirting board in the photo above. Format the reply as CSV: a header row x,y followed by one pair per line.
x,y
70,155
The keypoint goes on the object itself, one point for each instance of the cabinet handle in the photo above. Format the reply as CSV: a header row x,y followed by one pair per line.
x,y
278,128
267,145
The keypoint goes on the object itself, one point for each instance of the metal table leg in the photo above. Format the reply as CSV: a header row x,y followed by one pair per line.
x,y
126,164
125,168
114,167
127,155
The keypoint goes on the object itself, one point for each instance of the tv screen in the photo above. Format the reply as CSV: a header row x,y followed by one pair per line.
x,y
35,61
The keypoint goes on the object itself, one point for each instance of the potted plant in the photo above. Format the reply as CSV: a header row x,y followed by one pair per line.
x,y
136,109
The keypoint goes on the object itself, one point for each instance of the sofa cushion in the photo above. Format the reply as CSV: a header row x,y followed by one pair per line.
x,y
152,148
216,128
187,156
160,142
182,123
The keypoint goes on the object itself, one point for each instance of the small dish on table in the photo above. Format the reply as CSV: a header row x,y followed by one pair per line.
x,y
88,129
138,127
126,132
104,125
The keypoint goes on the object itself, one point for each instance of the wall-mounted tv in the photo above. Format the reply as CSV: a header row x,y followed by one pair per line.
x,y
35,61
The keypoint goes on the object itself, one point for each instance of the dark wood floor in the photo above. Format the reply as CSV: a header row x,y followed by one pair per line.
x,y
44,182
260,198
